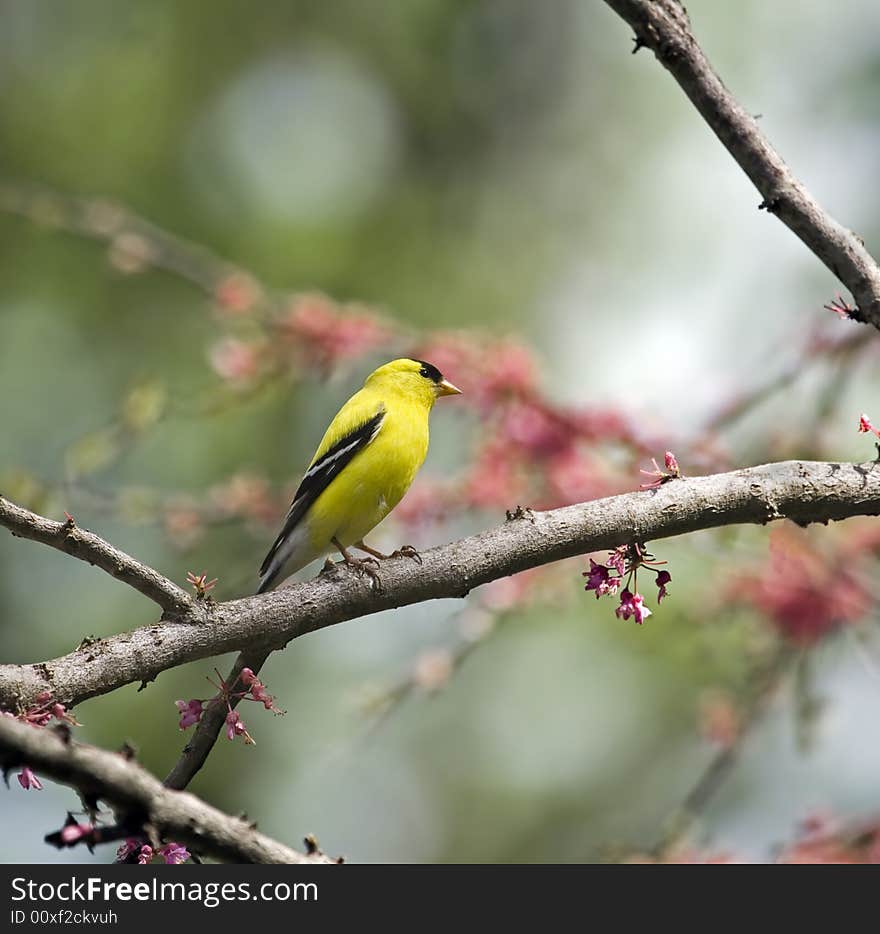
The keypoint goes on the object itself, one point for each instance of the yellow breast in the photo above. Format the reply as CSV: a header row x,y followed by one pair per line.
x,y
376,479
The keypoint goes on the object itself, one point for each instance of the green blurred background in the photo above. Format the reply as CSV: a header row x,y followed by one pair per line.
x,y
500,163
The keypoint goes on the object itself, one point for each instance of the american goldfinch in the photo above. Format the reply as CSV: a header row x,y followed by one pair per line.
x,y
364,465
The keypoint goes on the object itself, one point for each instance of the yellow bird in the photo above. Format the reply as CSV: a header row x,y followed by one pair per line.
x,y
364,465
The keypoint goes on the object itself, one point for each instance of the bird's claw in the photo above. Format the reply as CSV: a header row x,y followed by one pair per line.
x,y
366,567
407,551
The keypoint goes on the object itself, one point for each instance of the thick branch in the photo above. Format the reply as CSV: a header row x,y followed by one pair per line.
x,y
71,539
663,26
803,491
140,800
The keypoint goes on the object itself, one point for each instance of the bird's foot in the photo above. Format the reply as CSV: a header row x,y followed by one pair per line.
x,y
363,546
407,551
362,566
366,567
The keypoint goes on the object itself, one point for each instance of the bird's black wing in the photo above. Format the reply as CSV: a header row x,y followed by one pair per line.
x,y
319,476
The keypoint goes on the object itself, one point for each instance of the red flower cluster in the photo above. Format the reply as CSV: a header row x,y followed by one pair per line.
x,y
41,713
803,593
172,854
238,362
821,842
529,449
866,426
191,711
324,334
237,293
623,564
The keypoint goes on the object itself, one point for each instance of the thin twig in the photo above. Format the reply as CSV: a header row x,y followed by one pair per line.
x,y
197,750
663,27
720,767
136,241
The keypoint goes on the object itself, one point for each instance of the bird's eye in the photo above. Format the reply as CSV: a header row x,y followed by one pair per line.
x,y
429,371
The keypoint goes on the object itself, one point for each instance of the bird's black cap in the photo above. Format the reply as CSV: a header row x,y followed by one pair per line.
x,y
429,371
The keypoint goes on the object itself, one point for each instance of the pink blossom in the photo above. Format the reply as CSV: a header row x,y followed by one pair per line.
x,y
453,351
28,780
257,690
429,500
509,592
573,477
632,605
596,576
841,307
234,360
535,429
235,727
190,712
658,476
599,579
433,669
824,841
617,559
237,293
865,425
259,693
509,369
131,845
661,580
44,709
489,372
174,854
145,855
494,480
332,334
60,712
72,833
603,424
805,593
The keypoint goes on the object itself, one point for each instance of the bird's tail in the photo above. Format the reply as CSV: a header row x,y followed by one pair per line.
x,y
272,564
290,553
267,580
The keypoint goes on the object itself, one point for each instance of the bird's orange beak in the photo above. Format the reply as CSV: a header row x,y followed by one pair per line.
x,y
445,388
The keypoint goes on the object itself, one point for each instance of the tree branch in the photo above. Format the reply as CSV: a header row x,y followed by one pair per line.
x,y
71,539
803,491
142,804
138,240
663,26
